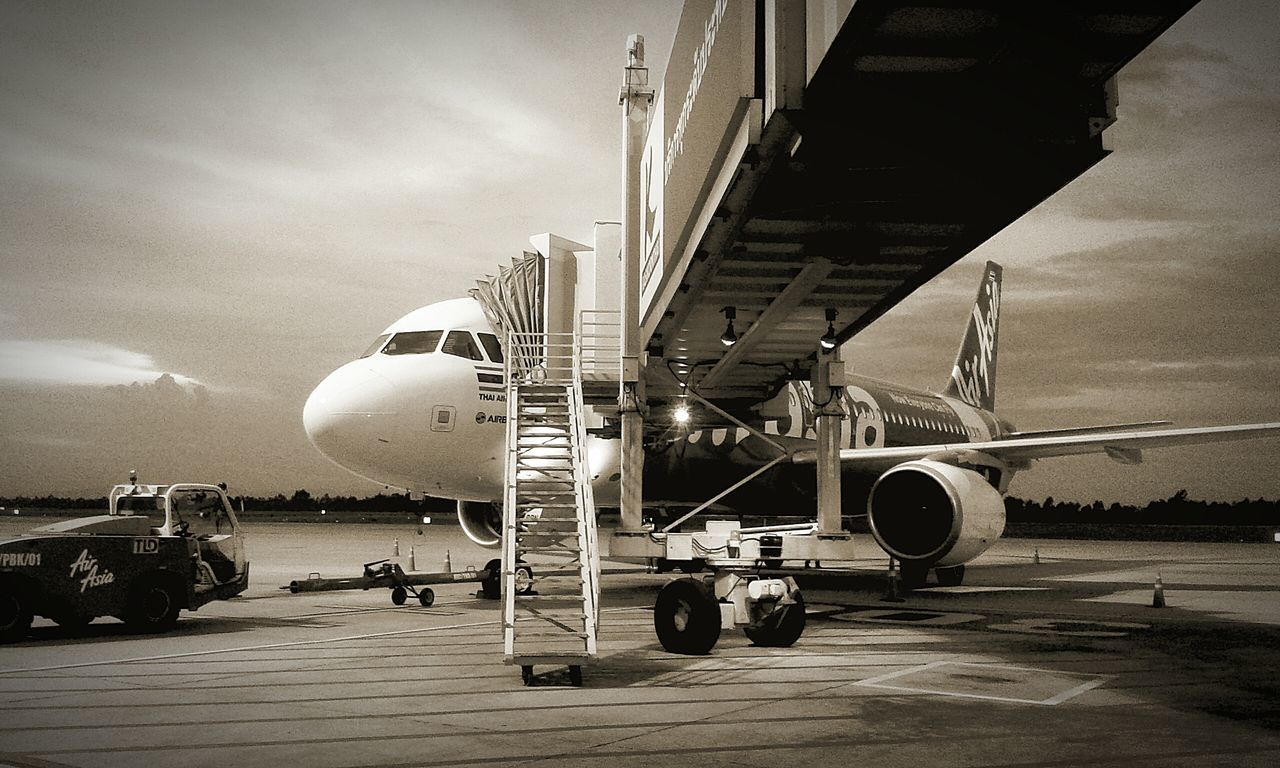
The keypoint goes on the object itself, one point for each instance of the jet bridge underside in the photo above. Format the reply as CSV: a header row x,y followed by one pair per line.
x,y
923,130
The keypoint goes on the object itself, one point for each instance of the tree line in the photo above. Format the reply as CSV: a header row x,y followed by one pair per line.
x,y
1178,509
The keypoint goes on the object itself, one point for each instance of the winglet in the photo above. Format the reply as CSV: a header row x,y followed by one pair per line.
x,y
973,377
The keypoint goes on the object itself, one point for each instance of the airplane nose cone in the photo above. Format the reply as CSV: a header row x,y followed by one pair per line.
x,y
342,415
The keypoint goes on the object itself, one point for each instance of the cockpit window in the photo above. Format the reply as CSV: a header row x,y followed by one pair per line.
x,y
376,345
491,346
462,344
413,343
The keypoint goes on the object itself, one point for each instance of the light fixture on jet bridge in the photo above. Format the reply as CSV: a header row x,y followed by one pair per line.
x,y
729,337
828,339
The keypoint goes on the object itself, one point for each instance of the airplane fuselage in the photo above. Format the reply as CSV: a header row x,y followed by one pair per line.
x,y
426,409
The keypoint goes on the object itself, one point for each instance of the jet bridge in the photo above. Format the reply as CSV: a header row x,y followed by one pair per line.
x,y
812,163
803,168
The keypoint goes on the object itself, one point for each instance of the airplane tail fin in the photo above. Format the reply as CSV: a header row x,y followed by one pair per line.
x,y
973,378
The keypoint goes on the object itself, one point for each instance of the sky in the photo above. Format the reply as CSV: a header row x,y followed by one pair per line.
x,y
206,207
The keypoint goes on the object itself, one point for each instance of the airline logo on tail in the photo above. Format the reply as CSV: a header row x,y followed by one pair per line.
x,y
973,378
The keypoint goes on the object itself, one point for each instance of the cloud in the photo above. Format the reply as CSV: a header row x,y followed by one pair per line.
x,y
80,362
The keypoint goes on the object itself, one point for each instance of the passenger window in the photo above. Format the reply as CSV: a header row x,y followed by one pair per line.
x,y
491,346
413,343
376,346
461,344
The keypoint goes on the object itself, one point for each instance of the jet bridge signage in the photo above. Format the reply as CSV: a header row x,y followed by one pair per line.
x,y
709,77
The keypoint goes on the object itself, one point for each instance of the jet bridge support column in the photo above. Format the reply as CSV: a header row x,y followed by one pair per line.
x,y
635,98
828,386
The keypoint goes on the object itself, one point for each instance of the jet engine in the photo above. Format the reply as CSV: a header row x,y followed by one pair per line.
x,y
934,514
481,521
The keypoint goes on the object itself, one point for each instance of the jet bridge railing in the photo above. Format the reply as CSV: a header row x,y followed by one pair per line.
x,y
598,344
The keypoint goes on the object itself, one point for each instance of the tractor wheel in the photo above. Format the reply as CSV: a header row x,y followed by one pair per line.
x,y
154,602
780,629
15,614
427,597
686,617
399,595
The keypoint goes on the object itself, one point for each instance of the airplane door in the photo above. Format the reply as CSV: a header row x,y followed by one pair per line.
x,y
866,420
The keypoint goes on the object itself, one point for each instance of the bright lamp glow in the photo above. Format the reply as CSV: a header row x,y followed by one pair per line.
x,y
681,414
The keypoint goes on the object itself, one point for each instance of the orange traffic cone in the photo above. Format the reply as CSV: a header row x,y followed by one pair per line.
x,y
448,566
395,548
1157,598
413,566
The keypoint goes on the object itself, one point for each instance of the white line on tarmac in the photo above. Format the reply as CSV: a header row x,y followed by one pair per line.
x,y
879,682
270,646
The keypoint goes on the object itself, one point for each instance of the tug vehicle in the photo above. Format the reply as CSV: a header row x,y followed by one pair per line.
x,y
159,549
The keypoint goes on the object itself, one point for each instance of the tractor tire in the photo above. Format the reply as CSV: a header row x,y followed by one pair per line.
x,y
399,595
154,603
781,629
426,597
15,614
686,617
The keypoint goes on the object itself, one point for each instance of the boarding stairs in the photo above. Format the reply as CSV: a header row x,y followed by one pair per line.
x,y
549,519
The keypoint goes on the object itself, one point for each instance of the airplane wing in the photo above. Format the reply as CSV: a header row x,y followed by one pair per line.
x,y
1121,446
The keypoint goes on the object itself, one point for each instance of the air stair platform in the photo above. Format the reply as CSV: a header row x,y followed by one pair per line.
x,y
549,520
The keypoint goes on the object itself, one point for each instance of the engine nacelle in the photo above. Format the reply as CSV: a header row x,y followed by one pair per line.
x,y
934,513
481,521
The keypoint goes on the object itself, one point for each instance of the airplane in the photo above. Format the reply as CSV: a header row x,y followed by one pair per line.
x,y
424,409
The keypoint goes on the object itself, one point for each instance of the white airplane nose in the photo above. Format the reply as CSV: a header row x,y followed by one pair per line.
x,y
344,413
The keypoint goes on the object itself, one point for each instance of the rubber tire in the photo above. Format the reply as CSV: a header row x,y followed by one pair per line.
x,y
913,576
686,617
527,587
950,577
426,597
575,676
399,595
492,586
782,628
526,674
15,614
154,603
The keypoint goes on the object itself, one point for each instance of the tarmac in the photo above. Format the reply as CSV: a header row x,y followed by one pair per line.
x,y
1049,655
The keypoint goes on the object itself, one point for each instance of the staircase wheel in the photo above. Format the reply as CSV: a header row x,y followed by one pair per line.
x,y
686,617
575,676
427,597
399,595
780,629
526,674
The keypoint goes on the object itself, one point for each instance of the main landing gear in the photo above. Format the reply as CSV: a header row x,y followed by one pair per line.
x,y
690,613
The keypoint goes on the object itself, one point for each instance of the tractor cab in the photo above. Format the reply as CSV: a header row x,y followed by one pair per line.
x,y
193,510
